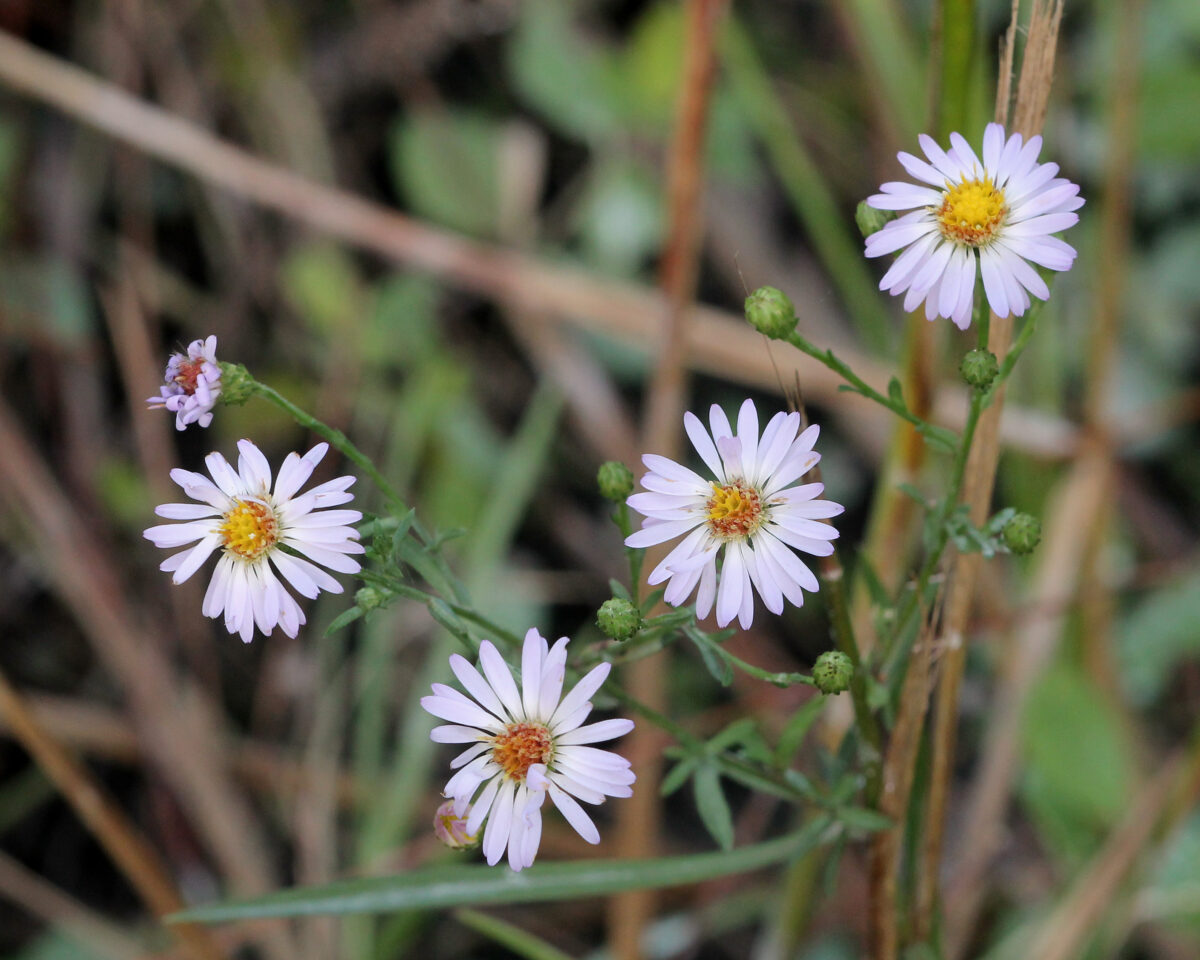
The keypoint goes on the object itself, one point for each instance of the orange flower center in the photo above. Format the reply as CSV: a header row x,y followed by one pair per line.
x,y
188,373
735,510
250,529
971,212
520,746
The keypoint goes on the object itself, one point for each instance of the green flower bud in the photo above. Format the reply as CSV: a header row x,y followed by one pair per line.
x,y
237,385
615,481
870,220
980,368
770,312
1022,533
832,671
370,598
618,619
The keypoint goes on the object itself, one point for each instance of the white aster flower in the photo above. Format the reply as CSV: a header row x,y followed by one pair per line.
x,y
526,743
751,511
1000,213
260,531
193,384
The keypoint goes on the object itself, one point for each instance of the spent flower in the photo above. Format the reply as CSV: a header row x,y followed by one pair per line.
x,y
996,214
526,743
751,513
259,531
193,384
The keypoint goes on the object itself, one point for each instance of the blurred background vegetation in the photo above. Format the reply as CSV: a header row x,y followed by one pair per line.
x,y
542,127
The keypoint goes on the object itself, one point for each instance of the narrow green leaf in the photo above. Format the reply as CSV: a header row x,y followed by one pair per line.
x,y
796,729
895,393
342,619
860,818
478,885
619,590
712,805
678,776
711,654
509,935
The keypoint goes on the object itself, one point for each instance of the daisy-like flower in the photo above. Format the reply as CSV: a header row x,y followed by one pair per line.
x,y
751,512
193,384
999,213
526,743
259,530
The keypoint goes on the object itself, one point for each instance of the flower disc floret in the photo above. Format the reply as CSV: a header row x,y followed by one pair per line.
x,y
527,743
994,217
260,531
752,516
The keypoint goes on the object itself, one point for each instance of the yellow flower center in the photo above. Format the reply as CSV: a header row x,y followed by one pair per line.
x,y
250,529
520,746
735,510
971,212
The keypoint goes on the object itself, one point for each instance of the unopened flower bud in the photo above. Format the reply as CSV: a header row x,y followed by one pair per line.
x,y
980,368
1022,533
615,481
237,386
870,220
618,619
451,829
369,598
770,312
832,672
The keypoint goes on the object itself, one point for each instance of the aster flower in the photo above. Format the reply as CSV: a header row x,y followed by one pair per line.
x,y
193,384
526,743
998,213
750,512
259,531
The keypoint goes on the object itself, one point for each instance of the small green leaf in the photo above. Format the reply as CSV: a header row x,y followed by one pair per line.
x,y
797,729
896,393
712,805
343,619
939,436
619,590
862,819
713,657
678,775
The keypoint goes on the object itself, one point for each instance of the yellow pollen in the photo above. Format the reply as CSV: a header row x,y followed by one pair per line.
x,y
971,212
520,746
735,510
250,529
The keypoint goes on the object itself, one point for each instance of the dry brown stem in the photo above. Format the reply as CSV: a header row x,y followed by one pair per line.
x,y
639,820
1069,514
1033,94
716,341
55,908
129,849
1164,800
178,727
94,729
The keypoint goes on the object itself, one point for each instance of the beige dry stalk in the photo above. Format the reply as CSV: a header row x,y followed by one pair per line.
x,y
1028,114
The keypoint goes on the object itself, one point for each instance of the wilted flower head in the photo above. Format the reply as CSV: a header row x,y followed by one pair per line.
x,y
526,743
260,530
193,384
998,213
451,829
751,513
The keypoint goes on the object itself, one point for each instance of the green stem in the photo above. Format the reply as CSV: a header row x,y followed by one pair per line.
x,y
337,440
859,385
897,651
